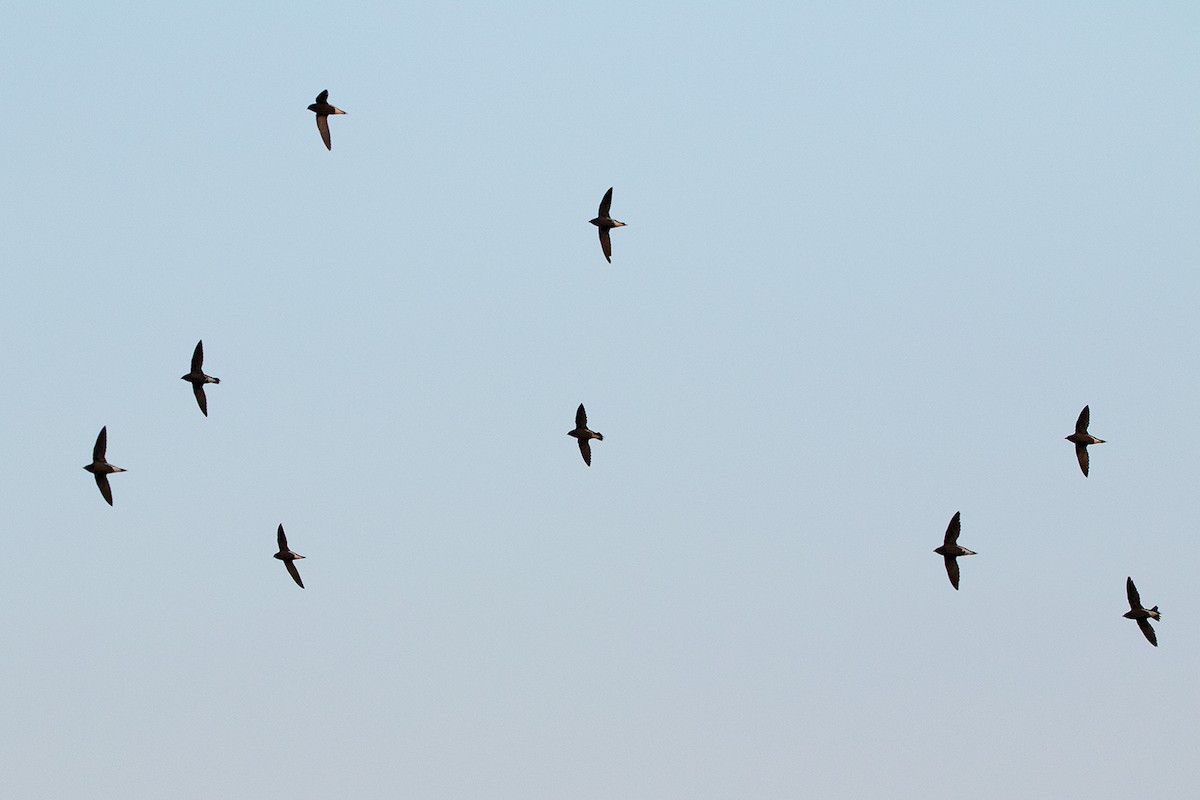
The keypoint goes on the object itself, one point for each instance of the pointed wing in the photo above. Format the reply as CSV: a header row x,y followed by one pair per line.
x,y
101,445
952,570
198,357
291,568
1135,600
952,530
105,489
606,203
606,244
323,127
1082,455
198,390
1148,631
1081,424
580,417
586,449
282,540
323,96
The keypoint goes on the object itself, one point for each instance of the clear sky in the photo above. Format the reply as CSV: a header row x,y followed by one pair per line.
x,y
878,257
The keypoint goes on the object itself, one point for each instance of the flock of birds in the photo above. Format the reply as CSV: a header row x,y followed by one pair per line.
x,y
950,549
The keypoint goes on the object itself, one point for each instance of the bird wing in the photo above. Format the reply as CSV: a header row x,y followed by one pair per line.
x,y
198,357
295,573
198,390
952,530
580,417
101,445
282,540
323,127
952,570
323,96
606,203
1135,600
105,489
606,244
586,449
1082,455
1081,424
1148,630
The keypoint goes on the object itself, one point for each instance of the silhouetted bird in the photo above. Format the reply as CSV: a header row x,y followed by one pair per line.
x,y
323,109
197,378
584,435
288,558
1082,439
100,468
606,223
1142,615
951,551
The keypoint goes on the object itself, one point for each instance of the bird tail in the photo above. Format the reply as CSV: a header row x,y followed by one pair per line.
x,y
1154,613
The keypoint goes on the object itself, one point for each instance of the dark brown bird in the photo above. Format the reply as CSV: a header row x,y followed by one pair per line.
x,y
1142,615
288,558
197,378
606,223
951,551
584,435
1082,439
323,109
100,468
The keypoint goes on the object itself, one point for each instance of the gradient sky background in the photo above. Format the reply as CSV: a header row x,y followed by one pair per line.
x,y
877,259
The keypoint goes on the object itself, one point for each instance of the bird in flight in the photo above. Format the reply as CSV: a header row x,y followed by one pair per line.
x,y
100,468
606,223
584,435
951,551
323,109
1082,439
197,378
1142,615
288,558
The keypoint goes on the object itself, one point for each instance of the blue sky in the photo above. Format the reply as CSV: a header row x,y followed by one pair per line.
x,y
878,256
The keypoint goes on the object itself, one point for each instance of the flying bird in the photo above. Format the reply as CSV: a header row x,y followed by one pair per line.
x,y
100,468
1142,615
1082,439
288,558
323,109
951,551
197,378
584,435
606,223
